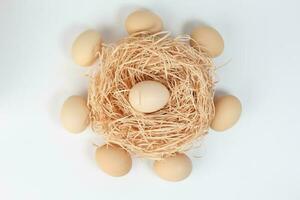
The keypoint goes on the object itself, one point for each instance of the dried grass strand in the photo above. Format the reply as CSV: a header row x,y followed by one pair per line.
x,y
187,72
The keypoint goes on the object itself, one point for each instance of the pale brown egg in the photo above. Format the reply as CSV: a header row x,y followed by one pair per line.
x,y
113,160
227,112
75,114
143,20
148,96
209,38
85,47
175,168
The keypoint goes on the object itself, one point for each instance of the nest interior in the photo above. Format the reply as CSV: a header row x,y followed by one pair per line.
x,y
187,72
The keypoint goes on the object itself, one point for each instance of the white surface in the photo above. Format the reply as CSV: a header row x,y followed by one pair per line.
x,y
257,159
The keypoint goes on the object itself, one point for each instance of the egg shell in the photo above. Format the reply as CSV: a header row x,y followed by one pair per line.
x,y
75,114
175,168
209,38
148,96
85,47
143,20
113,160
227,112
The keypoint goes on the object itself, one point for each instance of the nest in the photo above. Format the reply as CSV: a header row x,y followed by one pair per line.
x,y
187,72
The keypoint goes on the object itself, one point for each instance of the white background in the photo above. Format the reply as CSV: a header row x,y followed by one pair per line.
x,y
257,159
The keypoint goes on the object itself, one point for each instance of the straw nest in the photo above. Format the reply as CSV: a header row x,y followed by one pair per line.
x,y
187,72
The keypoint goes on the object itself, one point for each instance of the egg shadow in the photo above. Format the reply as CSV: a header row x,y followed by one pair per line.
x,y
125,10
221,92
55,104
111,34
91,144
189,25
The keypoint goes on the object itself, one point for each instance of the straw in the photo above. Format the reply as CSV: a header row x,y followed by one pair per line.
x,y
187,72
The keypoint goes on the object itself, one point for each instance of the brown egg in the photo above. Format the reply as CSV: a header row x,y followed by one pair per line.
x,y
209,38
113,160
227,112
85,48
143,20
175,168
75,114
